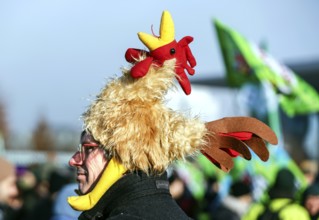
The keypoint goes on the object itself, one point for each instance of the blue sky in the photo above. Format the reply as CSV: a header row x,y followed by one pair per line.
x,y
56,55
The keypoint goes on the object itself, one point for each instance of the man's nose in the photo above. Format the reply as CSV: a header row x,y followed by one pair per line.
x,y
76,160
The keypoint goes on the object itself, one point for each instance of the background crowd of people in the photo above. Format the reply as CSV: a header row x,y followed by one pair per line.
x,y
39,191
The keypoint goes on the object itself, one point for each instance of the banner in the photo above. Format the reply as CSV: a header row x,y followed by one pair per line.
x,y
246,62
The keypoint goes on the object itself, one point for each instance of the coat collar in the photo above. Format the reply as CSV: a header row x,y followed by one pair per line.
x,y
131,186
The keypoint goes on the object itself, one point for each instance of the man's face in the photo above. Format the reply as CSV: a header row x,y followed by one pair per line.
x,y
89,162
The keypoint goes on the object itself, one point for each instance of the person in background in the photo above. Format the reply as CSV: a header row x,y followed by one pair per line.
x,y
43,209
212,196
61,209
310,200
182,195
27,182
310,169
8,189
237,203
282,203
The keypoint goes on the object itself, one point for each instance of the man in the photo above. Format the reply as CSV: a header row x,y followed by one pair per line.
x,y
131,137
136,195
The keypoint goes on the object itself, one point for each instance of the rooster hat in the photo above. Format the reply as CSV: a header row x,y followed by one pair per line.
x,y
130,119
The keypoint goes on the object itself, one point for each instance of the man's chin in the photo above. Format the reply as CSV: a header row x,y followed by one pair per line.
x,y
79,191
82,190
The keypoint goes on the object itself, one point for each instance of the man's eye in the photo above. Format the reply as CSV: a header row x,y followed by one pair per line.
x,y
88,149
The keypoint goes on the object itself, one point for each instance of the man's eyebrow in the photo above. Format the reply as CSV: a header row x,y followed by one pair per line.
x,y
91,144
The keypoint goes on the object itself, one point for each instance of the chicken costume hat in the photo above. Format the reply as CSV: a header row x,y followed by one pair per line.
x,y
131,121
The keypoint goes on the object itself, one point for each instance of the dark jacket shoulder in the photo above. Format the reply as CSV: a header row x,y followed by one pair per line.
x,y
137,196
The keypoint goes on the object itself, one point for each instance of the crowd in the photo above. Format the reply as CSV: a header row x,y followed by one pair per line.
x,y
37,191
285,198
40,191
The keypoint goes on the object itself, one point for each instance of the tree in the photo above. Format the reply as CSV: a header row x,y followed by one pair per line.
x,y
4,130
42,136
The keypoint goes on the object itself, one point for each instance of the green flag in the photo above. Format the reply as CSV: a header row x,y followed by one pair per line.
x,y
246,62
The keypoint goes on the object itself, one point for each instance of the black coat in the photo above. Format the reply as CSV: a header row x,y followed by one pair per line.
x,y
137,196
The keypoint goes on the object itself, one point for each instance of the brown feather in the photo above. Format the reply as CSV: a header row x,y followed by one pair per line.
x,y
235,144
224,161
240,124
217,142
259,147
